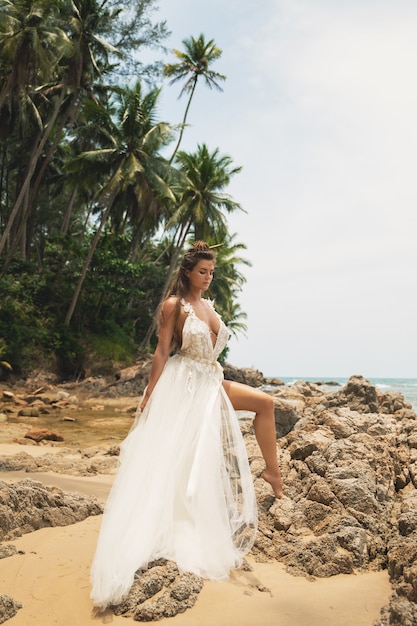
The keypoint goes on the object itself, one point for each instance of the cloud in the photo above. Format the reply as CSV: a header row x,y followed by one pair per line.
x,y
319,108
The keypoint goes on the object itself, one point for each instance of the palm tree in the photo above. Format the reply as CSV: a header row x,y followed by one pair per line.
x,y
86,56
133,164
193,63
228,283
31,48
31,45
201,207
203,202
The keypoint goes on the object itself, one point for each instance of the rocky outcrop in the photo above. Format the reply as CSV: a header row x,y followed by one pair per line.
x,y
245,375
82,462
350,471
44,401
7,550
160,591
28,505
8,608
130,380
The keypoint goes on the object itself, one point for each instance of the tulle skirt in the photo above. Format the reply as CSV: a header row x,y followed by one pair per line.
x,y
183,490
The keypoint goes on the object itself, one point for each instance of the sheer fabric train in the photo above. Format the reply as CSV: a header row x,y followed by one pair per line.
x,y
183,490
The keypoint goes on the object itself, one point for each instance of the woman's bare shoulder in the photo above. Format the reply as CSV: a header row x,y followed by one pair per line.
x,y
170,305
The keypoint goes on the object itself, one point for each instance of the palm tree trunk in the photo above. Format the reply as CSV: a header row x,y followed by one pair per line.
x,y
67,217
3,182
31,168
88,258
12,224
183,121
87,217
6,89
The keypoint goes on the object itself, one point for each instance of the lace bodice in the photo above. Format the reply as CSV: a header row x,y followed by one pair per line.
x,y
196,336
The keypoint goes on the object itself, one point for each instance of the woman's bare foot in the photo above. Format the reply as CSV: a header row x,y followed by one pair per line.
x,y
274,479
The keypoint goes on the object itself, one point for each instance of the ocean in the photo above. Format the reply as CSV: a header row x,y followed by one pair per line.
x,y
406,386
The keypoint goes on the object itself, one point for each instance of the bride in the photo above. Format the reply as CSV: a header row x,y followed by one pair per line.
x,y
183,490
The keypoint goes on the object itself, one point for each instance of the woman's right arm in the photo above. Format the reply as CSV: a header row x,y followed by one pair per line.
x,y
163,348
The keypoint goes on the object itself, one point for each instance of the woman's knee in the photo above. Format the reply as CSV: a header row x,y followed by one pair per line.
x,y
261,402
244,397
268,402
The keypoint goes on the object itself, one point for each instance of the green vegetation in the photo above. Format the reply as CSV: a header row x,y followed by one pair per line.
x,y
93,217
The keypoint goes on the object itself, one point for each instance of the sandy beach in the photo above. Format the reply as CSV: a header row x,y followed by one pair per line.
x,y
51,580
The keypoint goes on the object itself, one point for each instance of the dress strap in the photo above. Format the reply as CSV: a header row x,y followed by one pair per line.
x,y
188,308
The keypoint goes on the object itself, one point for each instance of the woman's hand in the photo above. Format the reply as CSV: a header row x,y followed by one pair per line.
x,y
144,402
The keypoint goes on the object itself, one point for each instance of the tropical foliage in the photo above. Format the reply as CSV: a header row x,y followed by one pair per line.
x,y
194,62
93,217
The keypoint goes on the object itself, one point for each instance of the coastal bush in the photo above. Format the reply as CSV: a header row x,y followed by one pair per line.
x,y
112,316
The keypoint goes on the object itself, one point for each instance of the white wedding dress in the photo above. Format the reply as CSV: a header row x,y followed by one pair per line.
x,y
183,490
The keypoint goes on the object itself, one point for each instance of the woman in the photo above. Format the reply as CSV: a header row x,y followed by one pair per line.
x,y
183,490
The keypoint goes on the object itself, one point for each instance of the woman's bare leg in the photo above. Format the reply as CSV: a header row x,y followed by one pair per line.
x,y
245,398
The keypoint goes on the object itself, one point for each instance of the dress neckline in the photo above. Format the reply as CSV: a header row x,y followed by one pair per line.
x,y
189,309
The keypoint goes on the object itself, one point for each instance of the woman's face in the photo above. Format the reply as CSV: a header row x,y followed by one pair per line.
x,y
201,275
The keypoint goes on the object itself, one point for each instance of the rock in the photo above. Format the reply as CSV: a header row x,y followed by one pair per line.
x,y
245,375
160,591
307,389
62,395
400,612
43,434
321,492
90,462
8,608
287,413
128,381
303,444
358,394
29,505
29,412
328,383
7,550
274,382
320,557
282,513
8,396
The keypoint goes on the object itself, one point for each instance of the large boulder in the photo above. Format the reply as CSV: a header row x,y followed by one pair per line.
x,y
29,505
85,462
160,591
245,375
8,608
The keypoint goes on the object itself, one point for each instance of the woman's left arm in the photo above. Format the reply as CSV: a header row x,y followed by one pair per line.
x,y
163,348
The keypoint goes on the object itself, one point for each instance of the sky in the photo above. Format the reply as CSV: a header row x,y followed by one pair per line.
x,y
320,110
